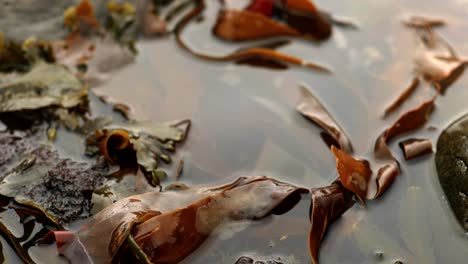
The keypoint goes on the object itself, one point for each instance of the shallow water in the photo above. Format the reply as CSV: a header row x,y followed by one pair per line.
x,y
244,123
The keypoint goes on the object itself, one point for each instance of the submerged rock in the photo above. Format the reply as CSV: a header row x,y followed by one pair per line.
x,y
452,167
31,171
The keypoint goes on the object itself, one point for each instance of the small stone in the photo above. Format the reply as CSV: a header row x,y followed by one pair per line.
x,y
244,260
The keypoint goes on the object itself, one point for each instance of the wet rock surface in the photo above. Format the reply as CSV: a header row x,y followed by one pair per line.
x,y
30,171
452,167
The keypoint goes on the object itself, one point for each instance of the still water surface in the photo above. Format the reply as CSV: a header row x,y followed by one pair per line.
x,y
244,123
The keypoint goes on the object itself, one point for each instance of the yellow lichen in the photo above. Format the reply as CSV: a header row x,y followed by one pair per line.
x,y
70,17
29,42
113,6
128,9
125,8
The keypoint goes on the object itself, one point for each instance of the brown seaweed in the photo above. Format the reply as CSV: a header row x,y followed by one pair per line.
x,y
139,144
237,25
14,243
442,72
413,147
423,22
328,204
410,121
140,215
81,17
440,69
296,18
257,53
354,174
402,97
311,108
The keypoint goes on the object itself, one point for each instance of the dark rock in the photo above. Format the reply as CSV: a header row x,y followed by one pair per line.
x,y
244,260
452,167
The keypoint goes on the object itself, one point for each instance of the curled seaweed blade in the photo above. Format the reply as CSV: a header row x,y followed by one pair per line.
x,y
328,204
192,212
140,144
199,219
312,109
386,175
413,147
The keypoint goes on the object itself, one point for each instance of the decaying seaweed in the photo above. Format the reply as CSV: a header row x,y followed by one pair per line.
x,y
139,144
35,82
194,212
34,88
44,86
312,109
